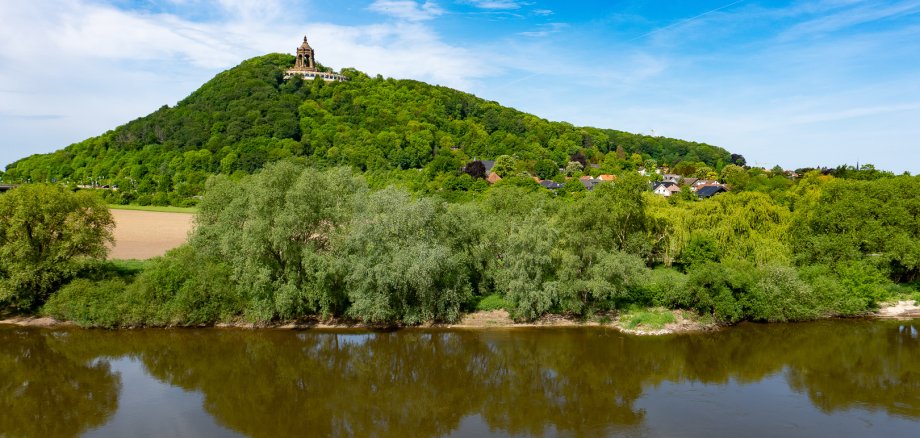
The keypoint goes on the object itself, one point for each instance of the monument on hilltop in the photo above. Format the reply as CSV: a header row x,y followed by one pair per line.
x,y
305,66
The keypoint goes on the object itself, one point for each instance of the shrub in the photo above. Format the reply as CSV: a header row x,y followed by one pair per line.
x,y
89,303
667,288
604,283
780,295
183,288
491,302
700,249
863,280
721,289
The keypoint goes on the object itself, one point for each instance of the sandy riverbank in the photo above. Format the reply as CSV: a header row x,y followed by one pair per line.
x,y
685,322
899,310
485,320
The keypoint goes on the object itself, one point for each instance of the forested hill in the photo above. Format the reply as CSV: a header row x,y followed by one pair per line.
x,y
249,116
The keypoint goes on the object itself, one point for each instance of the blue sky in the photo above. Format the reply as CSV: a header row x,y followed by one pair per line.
x,y
794,83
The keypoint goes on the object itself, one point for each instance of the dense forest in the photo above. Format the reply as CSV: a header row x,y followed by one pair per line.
x,y
249,116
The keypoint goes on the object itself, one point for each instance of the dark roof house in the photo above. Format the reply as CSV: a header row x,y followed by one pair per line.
x,y
551,185
708,191
589,182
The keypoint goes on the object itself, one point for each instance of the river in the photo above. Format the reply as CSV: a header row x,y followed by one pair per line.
x,y
828,378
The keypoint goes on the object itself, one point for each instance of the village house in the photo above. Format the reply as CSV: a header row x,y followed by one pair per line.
x,y
666,188
708,191
703,183
550,185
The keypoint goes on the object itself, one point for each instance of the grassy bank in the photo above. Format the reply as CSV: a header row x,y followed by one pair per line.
x,y
156,208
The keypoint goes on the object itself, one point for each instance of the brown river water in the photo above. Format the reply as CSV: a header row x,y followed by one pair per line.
x,y
821,379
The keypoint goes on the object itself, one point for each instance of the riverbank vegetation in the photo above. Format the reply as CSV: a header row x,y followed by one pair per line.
x,y
290,243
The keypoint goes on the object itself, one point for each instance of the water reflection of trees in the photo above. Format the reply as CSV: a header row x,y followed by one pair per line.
x,y
573,382
45,393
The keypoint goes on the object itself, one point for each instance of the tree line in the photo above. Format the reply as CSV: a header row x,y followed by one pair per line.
x,y
291,242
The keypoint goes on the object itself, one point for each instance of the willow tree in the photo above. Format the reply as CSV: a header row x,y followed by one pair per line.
x,y
596,255
276,230
404,262
745,226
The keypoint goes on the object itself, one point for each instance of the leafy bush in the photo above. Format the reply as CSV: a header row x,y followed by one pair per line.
x,y
833,297
184,287
666,288
89,303
605,283
721,290
491,302
700,249
780,295
864,281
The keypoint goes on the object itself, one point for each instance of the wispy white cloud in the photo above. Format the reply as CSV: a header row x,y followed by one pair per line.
x,y
252,10
851,16
545,30
687,20
852,113
410,10
498,4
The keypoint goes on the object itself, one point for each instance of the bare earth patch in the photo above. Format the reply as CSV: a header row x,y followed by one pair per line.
x,y
34,321
899,310
147,234
684,322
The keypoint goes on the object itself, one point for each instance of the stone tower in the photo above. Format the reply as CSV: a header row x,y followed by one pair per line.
x,y
306,58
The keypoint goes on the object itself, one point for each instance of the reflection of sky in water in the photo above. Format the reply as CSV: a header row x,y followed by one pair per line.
x,y
356,339
764,408
150,408
473,426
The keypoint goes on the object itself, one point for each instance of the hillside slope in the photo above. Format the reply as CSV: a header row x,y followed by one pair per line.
x,y
249,116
